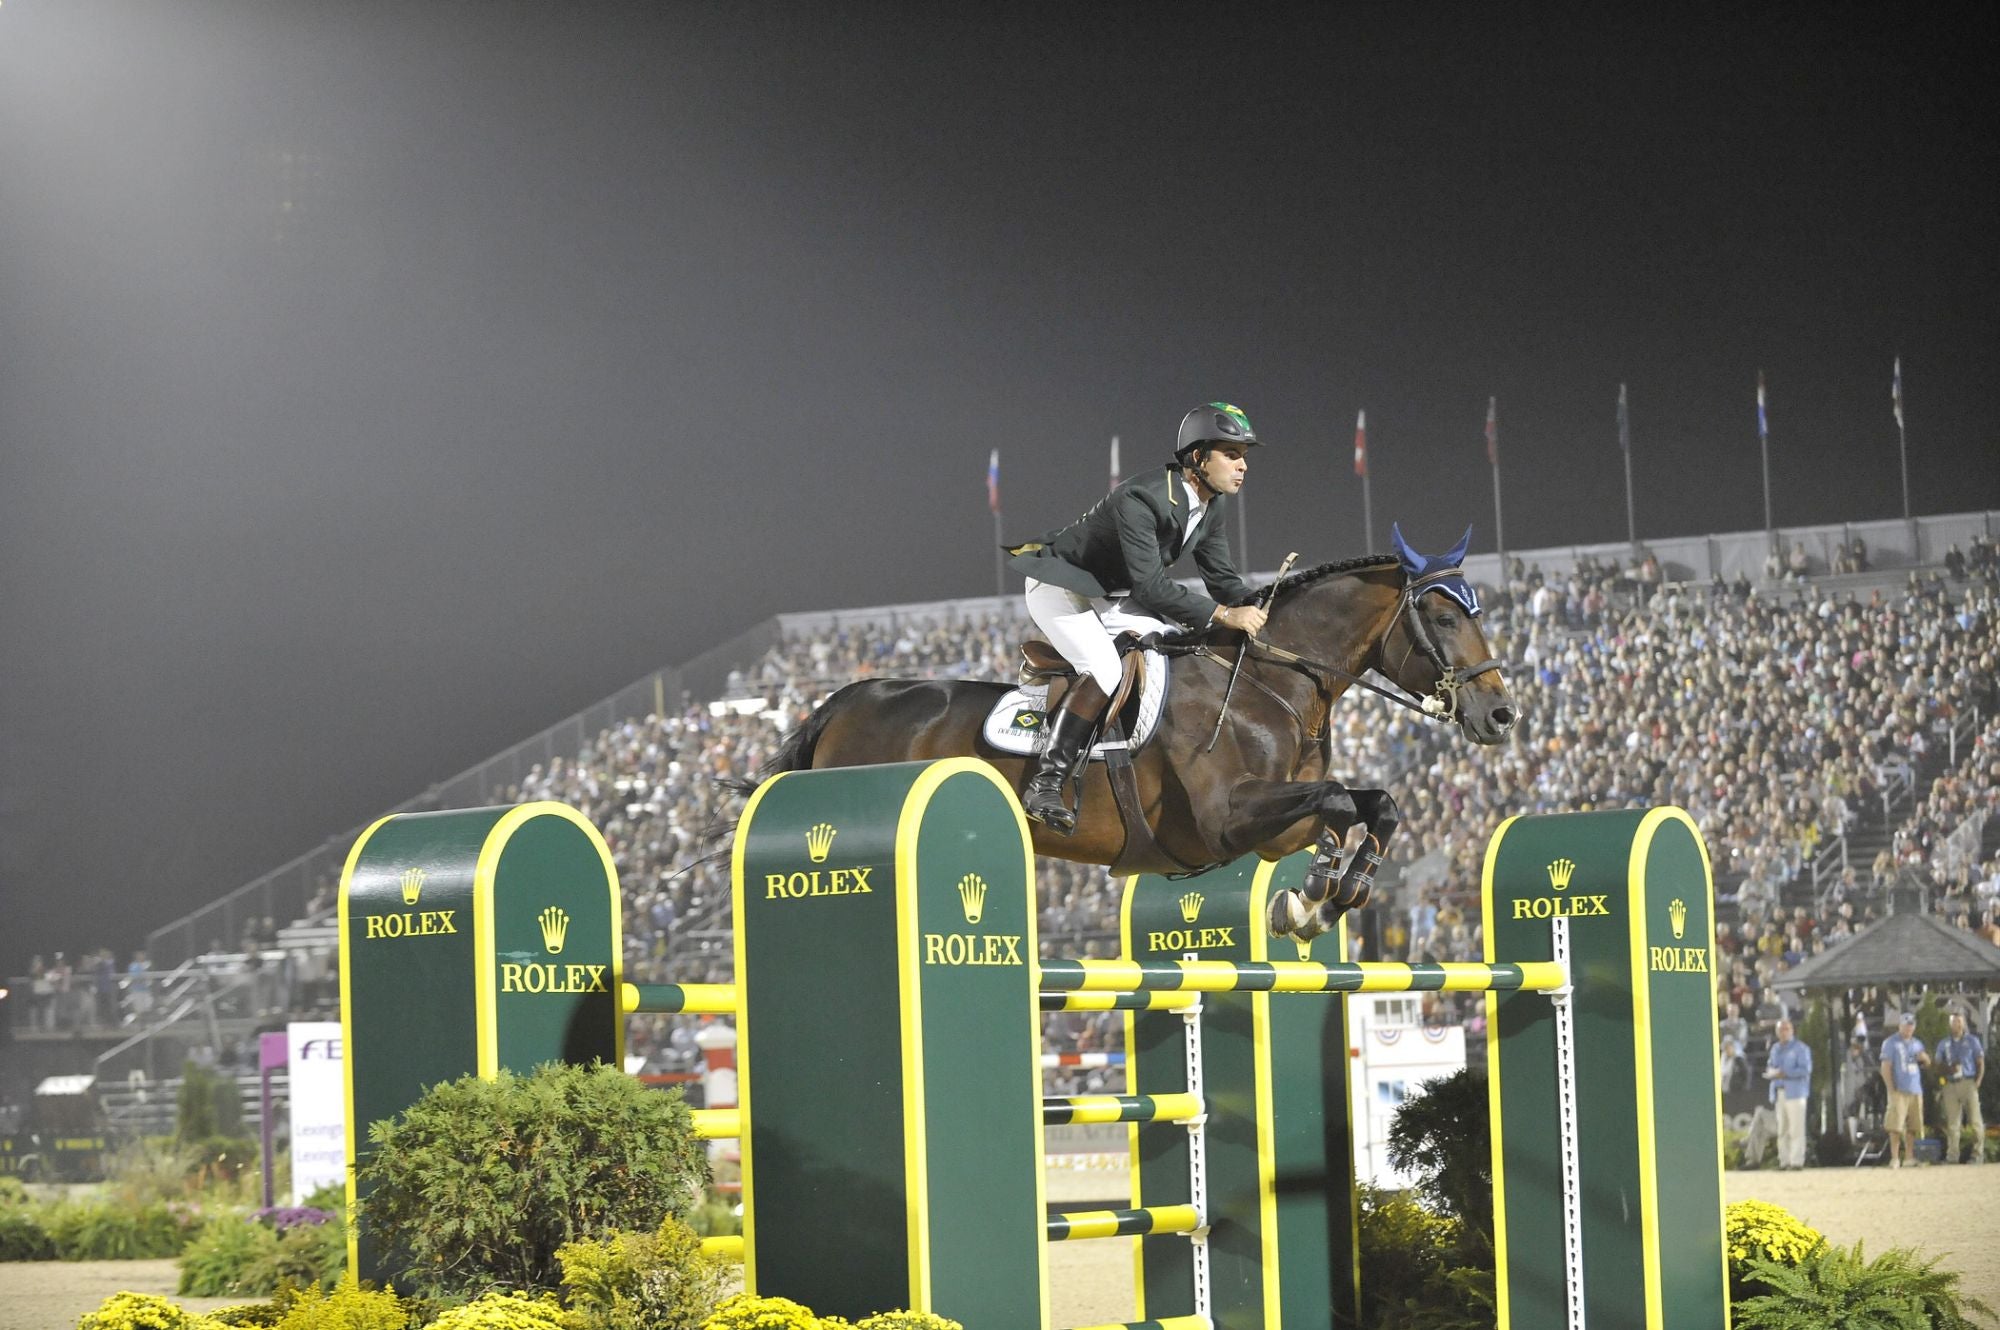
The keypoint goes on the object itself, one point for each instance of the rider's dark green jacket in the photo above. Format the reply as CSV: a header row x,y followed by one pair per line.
x,y
1128,540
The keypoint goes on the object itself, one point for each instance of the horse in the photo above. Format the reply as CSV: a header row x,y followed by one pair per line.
x,y
1231,770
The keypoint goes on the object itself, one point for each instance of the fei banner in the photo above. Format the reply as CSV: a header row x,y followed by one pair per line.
x,y
319,1115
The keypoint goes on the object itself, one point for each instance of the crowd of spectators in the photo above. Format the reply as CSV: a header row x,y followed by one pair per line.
x,y
1779,715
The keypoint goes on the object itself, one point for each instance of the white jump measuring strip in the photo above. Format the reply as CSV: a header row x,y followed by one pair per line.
x,y
1572,1183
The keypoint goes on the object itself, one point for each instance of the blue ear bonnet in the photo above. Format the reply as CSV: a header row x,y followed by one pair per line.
x,y
1417,565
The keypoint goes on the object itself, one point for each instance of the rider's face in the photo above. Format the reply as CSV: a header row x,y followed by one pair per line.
x,y
1224,467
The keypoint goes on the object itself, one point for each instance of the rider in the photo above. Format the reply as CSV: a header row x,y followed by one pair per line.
x,y
1106,573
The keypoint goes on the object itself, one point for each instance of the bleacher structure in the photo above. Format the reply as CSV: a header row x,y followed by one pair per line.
x,y
208,997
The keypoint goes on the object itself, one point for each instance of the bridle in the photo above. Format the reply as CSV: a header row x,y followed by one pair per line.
x,y
1442,701
1440,704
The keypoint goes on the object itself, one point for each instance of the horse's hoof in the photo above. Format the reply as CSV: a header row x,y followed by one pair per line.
x,y
1288,911
1325,919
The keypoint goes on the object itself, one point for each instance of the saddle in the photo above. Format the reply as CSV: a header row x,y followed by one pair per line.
x,y
1134,709
1043,666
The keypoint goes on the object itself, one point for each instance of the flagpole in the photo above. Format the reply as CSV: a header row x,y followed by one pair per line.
x,y
1764,446
1242,532
1493,456
1361,466
1902,442
999,537
1625,446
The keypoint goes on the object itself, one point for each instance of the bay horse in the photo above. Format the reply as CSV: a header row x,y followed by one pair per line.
x,y
1260,785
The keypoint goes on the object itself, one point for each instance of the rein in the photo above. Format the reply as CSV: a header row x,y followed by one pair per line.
x,y
1440,704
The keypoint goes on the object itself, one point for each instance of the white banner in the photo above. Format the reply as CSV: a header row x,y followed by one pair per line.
x,y
319,1107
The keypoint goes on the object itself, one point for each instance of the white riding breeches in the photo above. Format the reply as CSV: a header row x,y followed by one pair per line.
x,y
1082,628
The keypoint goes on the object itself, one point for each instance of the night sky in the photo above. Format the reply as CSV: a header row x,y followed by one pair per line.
x,y
382,382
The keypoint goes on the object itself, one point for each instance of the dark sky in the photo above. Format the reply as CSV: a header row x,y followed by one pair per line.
x,y
382,382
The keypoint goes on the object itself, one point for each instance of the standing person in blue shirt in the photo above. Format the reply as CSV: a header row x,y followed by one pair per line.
x,y
1789,1070
1963,1058
1903,1058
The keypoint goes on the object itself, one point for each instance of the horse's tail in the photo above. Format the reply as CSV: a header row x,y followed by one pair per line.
x,y
795,751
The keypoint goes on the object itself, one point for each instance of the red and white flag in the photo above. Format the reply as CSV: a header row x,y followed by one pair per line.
x,y
993,481
1361,443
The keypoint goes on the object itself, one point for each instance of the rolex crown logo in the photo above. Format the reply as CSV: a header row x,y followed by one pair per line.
x,y
1677,915
555,927
1191,907
819,842
972,895
413,885
1560,873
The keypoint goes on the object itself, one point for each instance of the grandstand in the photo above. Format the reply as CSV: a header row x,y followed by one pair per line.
x,y
1829,717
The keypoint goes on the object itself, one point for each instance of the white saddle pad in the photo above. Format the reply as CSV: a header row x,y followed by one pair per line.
x,y
1018,723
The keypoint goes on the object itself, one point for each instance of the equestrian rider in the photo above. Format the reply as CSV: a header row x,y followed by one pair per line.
x,y
1106,573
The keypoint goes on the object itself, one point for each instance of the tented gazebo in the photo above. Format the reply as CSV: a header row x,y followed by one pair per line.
x,y
1907,949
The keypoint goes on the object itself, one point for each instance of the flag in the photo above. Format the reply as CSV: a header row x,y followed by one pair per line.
x,y
1361,443
993,481
1624,423
1493,431
1114,461
1896,392
1763,425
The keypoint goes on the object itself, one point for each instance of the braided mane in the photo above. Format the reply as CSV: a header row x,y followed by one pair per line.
x,y
1364,563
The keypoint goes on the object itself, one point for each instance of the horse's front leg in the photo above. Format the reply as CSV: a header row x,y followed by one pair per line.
x,y
1341,878
1276,818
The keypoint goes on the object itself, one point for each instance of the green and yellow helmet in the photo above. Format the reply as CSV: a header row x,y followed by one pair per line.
x,y
1215,423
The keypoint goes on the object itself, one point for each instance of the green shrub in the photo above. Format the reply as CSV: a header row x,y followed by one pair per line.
x,y
254,1315
479,1183
222,1159
1442,1136
1838,1288
106,1231
642,1281
22,1237
140,1311
225,1257
12,1192
347,1307
331,1197
303,1254
1413,1277
208,1105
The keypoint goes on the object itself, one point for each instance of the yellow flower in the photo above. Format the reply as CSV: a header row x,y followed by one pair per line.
x,y
1759,1231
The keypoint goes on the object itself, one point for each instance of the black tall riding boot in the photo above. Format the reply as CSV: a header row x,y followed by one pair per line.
x,y
1068,747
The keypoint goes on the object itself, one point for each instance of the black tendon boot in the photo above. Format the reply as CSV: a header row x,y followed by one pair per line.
x,y
1068,745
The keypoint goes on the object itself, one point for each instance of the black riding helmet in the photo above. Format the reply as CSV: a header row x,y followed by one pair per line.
x,y
1217,422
